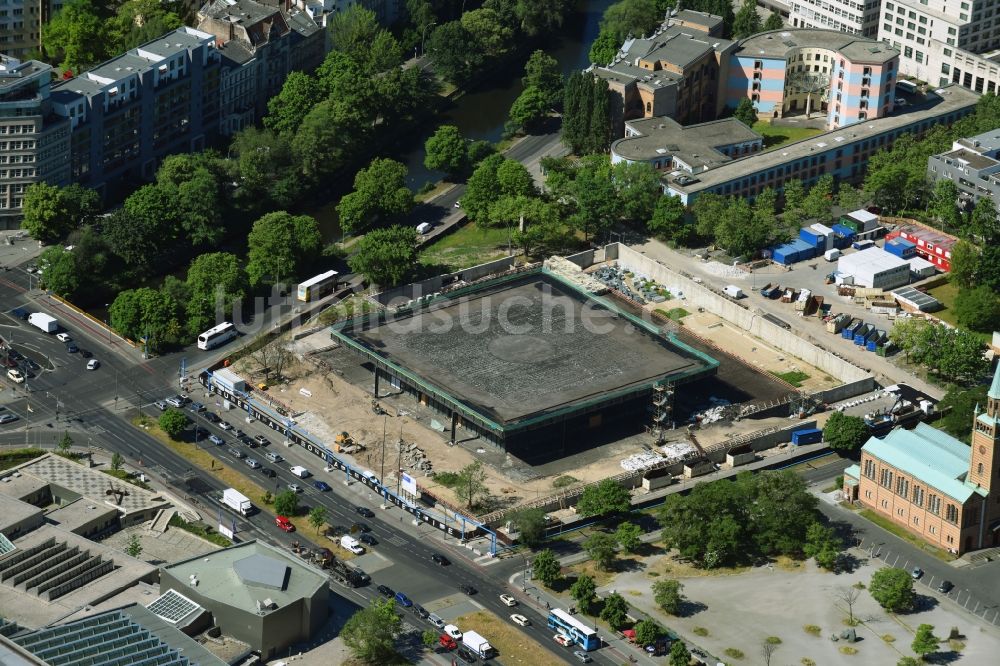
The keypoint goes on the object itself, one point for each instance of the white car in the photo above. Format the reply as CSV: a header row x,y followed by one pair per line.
x,y
15,376
520,620
508,600
93,364
295,488
453,631
63,337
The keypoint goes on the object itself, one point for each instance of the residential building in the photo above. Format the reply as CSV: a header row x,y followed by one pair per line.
x,y
932,244
842,153
34,142
20,25
130,112
260,45
256,593
944,42
973,164
783,9
387,12
856,17
669,146
934,485
785,72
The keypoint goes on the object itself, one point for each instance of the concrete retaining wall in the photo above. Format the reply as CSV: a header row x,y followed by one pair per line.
x,y
432,285
735,313
846,391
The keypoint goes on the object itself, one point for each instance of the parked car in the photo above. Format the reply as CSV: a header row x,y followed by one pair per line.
x,y
508,600
322,486
7,418
386,591
439,559
15,376
453,631
945,587
447,642
263,441
93,364
360,527
161,405
368,539
467,655
468,589
197,407
582,656
284,523
420,611
403,600
562,640
225,425
917,573
63,337
520,620
175,401
436,621
84,353
365,511
236,453
211,417
268,472
72,348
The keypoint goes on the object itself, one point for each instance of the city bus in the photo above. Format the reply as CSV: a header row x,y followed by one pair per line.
x,y
573,629
217,335
318,287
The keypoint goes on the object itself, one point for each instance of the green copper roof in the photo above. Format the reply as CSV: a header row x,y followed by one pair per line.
x,y
928,454
995,386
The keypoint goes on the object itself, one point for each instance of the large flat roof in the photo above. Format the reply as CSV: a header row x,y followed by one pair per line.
x,y
695,145
527,346
778,43
945,100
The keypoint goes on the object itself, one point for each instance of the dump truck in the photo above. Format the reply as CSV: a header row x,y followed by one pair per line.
x,y
45,322
238,502
770,290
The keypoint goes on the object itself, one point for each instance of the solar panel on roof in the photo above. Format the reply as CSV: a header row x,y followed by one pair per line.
x,y
173,606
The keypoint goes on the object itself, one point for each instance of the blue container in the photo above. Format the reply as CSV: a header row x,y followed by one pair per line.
x,y
901,247
844,231
848,332
814,239
807,436
861,335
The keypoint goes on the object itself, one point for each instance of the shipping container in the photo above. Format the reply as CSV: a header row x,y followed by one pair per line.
x,y
849,223
814,239
901,247
863,244
807,436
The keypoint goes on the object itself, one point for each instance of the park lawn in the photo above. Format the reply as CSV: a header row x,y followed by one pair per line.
x,y
905,534
776,136
793,377
514,646
946,293
467,246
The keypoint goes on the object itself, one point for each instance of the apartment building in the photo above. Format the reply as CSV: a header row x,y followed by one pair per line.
x,y
856,17
130,112
973,164
933,484
667,145
34,142
20,25
945,42
842,153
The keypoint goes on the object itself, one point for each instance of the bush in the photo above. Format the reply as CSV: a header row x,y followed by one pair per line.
x,y
173,422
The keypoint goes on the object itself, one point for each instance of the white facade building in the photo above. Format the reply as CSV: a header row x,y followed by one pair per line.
x,y
875,268
857,17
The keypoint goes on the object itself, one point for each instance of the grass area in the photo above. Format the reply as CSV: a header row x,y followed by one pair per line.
x,y
812,629
675,314
888,638
126,477
793,377
466,246
589,568
904,534
847,649
202,530
16,457
946,293
564,481
776,136
513,645
734,653
345,309
815,463
440,187
700,631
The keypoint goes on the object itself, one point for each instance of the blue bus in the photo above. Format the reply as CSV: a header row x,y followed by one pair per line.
x,y
573,629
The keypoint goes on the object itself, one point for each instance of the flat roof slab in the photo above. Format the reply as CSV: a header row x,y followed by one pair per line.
x,y
526,347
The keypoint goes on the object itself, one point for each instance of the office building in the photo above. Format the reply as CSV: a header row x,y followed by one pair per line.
x,y
34,142
667,145
20,25
934,485
932,245
973,164
130,112
855,17
842,153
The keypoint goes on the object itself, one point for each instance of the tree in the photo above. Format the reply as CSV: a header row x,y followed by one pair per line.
x,y
286,110
75,36
892,588
279,245
851,198
615,611
667,594
965,264
708,209
977,309
679,655
767,650
849,595
773,22
593,191
352,31
794,194
471,483
268,173
583,592
117,461
529,109
586,114
173,422
330,135
380,194
385,256
745,112
845,433
627,535
943,204
456,55
317,516
747,21
983,223
514,179
429,638
631,17
908,661
668,222
51,212
958,408
134,547
446,151
140,21
538,16
605,498
988,271
647,631
743,229
65,444
601,549
371,632
482,188
530,526
604,49
819,201
62,275
384,53
925,642
215,282
145,314
823,545
542,72
286,503
638,188
546,568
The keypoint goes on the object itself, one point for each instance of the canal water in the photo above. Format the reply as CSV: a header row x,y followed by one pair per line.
x,y
481,114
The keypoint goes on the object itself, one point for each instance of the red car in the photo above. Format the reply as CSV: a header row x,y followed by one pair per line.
x,y
447,642
284,524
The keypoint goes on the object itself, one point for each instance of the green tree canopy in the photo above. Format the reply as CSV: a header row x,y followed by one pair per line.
x,y
667,594
638,189
447,151
627,535
482,189
279,245
529,109
353,31
679,655
604,49
145,313
370,634
845,433
604,498
978,309
214,282
747,21
823,545
546,568
456,54
773,22
62,275
958,408
268,172
601,548
385,256
892,588
173,422
286,110
286,503
965,263
631,17
51,212
615,611
380,194
647,631
924,641
583,592
745,112
75,36
530,526
140,21
490,35
944,204
542,72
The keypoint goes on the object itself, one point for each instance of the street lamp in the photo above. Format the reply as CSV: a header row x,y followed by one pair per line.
x,y
423,36
524,577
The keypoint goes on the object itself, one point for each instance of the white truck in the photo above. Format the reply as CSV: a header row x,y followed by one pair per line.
x,y
43,321
351,544
238,502
478,644
733,291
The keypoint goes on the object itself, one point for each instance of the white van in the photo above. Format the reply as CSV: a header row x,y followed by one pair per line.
x,y
351,544
424,227
300,471
370,475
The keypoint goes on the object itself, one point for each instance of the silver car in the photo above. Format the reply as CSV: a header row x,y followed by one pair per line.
x,y
252,464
